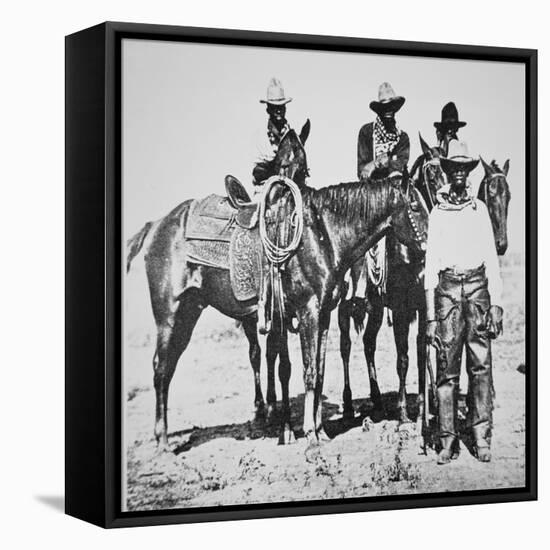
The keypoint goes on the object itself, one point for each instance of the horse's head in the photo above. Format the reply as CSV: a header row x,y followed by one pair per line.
x,y
494,191
409,218
431,175
291,160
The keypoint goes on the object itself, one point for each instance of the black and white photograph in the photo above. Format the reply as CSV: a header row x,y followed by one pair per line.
x,y
323,275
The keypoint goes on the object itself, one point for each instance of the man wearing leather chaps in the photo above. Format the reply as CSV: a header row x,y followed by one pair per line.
x,y
463,288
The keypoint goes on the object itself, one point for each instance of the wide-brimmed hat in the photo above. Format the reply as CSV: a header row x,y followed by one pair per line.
x,y
449,117
458,155
387,100
275,93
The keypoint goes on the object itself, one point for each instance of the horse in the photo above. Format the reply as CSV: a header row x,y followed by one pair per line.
x,y
177,305
405,298
494,191
341,222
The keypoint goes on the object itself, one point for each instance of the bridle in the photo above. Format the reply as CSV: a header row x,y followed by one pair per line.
x,y
414,225
485,183
425,166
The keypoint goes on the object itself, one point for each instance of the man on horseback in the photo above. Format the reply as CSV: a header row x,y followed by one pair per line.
x,y
268,140
382,147
382,151
463,293
447,129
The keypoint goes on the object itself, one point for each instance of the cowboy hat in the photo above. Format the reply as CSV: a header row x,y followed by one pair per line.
x,y
449,117
387,100
458,156
275,93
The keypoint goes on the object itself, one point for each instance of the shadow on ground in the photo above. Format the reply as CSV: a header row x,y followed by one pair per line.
x,y
333,421
56,502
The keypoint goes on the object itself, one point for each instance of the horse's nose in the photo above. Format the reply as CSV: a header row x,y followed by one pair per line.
x,y
502,246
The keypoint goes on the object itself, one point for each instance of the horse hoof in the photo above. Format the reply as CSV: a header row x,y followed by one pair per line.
x,y
163,447
378,414
349,413
271,413
404,418
286,437
259,412
367,424
322,435
313,451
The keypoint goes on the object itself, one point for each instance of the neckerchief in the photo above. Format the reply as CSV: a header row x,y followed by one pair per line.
x,y
449,201
274,135
384,141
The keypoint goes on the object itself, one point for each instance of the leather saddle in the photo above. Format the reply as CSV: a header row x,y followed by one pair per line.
x,y
247,211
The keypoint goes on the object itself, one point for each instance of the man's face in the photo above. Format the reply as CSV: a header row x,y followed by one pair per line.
x,y
388,119
447,134
458,178
276,113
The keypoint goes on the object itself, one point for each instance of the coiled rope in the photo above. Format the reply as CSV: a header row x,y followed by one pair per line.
x,y
275,253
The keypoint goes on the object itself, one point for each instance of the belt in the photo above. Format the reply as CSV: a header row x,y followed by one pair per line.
x,y
462,274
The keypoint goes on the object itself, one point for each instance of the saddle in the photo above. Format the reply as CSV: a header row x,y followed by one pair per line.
x,y
223,232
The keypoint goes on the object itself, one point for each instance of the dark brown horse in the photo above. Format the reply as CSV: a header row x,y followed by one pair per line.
x,y
405,283
404,296
494,191
177,305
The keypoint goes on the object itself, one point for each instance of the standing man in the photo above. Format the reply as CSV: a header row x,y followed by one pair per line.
x,y
463,297
382,147
447,129
268,140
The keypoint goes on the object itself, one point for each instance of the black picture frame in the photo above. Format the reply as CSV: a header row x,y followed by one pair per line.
x,y
93,287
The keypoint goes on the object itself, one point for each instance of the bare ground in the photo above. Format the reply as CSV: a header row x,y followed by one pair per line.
x,y
222,456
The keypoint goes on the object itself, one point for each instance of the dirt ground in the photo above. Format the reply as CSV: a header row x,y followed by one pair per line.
x,y
222,456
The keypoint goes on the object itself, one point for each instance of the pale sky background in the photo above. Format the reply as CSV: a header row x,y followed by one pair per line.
x,y
190,113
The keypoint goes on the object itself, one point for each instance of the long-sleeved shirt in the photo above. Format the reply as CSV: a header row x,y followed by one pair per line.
x,y
399,155
462,239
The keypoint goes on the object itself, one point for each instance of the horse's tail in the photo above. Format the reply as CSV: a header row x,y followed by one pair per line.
x,y
135,243
358,312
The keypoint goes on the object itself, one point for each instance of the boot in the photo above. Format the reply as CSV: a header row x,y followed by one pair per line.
x,y
447,428
482,445
448,449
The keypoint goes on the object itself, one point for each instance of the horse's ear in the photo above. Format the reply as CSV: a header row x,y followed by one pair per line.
x,y
487,167
405,181
506,167
425,147
304,132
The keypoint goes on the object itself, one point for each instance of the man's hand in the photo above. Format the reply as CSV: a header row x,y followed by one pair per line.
x,y
431,328
494,322
382,160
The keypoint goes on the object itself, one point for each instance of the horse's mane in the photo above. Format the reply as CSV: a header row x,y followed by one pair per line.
x,y
354,200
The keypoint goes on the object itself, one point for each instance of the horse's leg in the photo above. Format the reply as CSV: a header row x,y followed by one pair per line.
x,y
271,354
374,323
319,429
172,339
310,342
287,434
421,359
344,323
401,336
254,353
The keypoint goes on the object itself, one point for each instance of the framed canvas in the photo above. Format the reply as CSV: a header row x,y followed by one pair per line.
x,y
257,226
